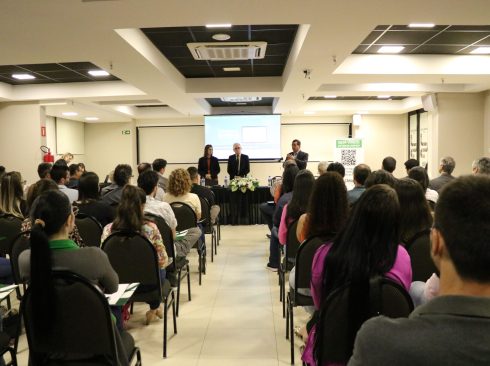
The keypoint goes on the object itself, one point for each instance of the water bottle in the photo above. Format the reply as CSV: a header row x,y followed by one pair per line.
x,y
269,181
203,182
226,181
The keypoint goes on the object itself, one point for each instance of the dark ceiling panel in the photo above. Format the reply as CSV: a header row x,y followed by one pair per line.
x,y
217,102
172,43
441,39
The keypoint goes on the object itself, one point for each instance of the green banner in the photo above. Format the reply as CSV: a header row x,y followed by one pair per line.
x,y
352,143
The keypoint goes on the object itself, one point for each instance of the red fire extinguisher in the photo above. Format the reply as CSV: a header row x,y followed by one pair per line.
x,y
47,157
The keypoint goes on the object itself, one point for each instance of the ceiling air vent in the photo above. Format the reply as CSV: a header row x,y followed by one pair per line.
x,y
219,51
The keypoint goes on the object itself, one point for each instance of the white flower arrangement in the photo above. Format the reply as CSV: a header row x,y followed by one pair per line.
x,y
244,184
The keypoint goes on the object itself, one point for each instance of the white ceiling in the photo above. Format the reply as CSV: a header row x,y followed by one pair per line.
x,y
107,34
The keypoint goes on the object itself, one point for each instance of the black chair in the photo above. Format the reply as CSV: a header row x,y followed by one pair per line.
x,y
9,336
135,259
186,219
20,243
302,278
82,328
89,228
287,263
419,250
208,226
385,297
10,227
6,347
179,265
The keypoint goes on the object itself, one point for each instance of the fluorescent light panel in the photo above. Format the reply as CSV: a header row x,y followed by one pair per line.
x,y
91,118
23,76
421,25
481,51
224,25
241,99
330,96
228,69
69,114
98,73
391,49
384,96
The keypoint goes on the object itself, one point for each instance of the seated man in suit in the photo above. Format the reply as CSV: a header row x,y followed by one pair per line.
x,y
297,155
159,166
454,327
112,194
446,167
238,164
203,192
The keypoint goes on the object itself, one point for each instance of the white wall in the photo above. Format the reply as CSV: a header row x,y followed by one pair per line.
x,y
460,129
385,135
106,146
20,138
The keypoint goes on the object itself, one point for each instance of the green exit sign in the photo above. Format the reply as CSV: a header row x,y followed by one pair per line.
x,y
126,132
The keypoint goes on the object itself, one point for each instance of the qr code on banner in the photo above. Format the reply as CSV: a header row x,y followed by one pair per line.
x,y
348,157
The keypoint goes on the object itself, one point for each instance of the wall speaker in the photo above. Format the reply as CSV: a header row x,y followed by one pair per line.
x,y
429,102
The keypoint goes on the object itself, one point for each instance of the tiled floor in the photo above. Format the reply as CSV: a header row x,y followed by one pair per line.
x,y
234,318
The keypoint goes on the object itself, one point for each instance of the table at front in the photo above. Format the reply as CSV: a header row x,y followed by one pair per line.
x,y
238,208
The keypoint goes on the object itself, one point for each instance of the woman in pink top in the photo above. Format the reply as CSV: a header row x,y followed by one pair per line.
x,y
303,185
368,246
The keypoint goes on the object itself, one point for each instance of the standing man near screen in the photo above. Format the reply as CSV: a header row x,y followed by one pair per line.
x,y
297,155
238,164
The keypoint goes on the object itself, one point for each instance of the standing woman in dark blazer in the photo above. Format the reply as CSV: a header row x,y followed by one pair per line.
x,y
208,166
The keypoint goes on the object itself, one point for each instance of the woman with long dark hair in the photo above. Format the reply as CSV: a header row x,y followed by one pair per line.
x,y
130,217
12,195
89,201
368,246
208,166
52,221
327,209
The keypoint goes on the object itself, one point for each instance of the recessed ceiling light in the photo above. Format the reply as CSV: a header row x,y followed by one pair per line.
x,y
240,99
481,51
23,76
390,49
98,73
384,96
421,25
91,118
221,37
330,96
69,114
309,112
228,69
225,25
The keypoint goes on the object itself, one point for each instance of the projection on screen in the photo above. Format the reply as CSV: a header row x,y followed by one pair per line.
x,y
259,135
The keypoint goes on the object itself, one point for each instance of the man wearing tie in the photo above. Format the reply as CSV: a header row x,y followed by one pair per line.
x,y
238,164
297,155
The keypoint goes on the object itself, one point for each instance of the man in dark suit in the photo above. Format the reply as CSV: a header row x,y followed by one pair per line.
x,y
238,164
297,155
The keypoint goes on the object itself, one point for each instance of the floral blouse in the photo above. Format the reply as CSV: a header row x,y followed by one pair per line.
x,y
74,235
150,231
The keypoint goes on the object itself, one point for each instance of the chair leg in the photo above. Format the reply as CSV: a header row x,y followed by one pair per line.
x,y
178,292
200,267
287,320
215,236
212,251
165,313
291,329
189,282
174,313
131,308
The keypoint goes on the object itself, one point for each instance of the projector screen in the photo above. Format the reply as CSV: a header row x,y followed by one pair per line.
x,y
259,135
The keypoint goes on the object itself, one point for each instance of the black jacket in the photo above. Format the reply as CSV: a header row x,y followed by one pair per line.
x,y
232,166
202,167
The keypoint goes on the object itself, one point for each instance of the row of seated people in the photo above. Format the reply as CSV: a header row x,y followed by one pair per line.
x,y
370,236
45,196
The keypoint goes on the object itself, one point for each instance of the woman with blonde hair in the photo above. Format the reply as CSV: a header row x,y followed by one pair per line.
x,y
179,190
11,195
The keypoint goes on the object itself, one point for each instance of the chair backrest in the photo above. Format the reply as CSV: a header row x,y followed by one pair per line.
x,y
422,264
292,244
185,215
134,259
304,261
167,235
385,297
206,214
89,228
10,227
20,243
81,324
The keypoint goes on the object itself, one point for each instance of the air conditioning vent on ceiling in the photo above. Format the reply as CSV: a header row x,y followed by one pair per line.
x,y
218,51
